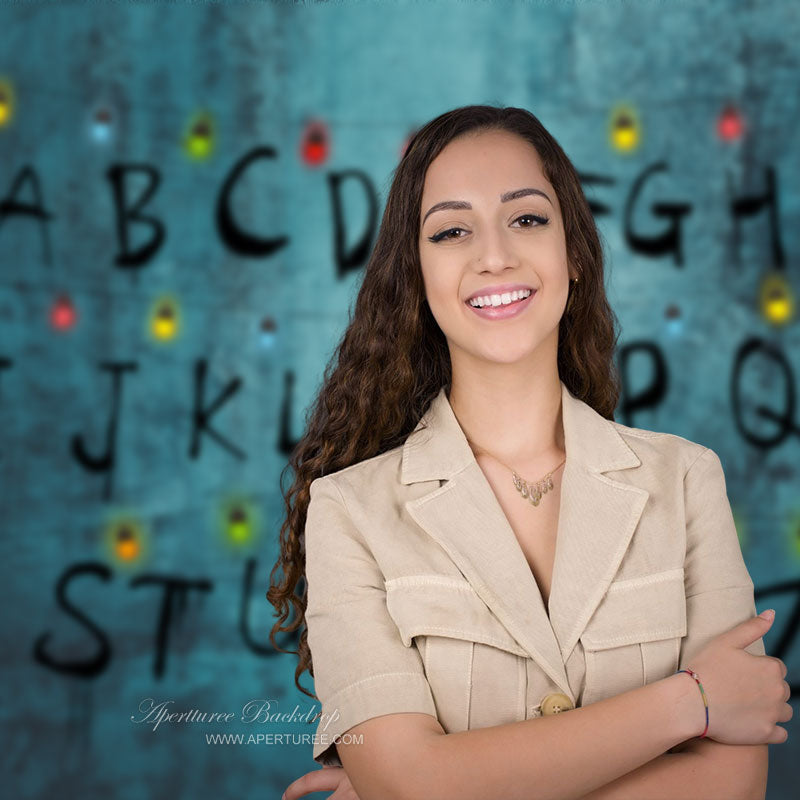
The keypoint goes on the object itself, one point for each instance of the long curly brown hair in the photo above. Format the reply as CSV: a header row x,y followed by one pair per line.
x,y
393,358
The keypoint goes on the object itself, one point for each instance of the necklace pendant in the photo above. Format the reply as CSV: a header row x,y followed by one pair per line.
x,y
532,491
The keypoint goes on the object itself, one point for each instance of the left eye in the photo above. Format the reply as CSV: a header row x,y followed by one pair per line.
x,y
540,220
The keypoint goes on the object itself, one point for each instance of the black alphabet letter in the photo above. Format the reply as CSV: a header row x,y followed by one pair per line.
x,y
135,259
202,415
655,393
174,586
87,667
353,260
240,242
9,205
670,240
754,346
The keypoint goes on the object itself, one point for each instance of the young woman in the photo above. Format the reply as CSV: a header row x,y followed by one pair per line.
x,y
483,547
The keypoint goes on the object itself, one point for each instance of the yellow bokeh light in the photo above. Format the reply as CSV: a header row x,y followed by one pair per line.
x,y
776,299
164,321
7,101
625,128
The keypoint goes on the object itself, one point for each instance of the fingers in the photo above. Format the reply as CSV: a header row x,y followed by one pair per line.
x,y
779,735
779,662
319,780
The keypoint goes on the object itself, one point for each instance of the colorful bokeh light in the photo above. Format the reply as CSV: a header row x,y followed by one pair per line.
x,y
625,129
777,299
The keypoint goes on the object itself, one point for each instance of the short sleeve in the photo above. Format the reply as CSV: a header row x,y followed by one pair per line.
x,y
719,589
361,667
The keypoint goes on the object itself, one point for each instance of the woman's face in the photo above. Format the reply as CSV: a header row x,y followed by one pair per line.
x,y
493,247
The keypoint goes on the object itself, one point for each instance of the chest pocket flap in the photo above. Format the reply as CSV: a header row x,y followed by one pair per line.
x,y
636,610
474,666
634,636
438,605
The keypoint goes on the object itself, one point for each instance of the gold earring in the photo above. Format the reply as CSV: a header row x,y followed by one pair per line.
x,y
573,281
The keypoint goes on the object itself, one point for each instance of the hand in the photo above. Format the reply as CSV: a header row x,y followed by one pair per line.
x,y
322,780
747,694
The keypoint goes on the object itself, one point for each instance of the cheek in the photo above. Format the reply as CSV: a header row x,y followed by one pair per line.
x,y
444,312
441,290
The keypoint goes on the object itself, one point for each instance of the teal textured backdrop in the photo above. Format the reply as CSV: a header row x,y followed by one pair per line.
x,y
188,195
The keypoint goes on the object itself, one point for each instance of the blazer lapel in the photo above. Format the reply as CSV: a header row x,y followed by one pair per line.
x,y
597,517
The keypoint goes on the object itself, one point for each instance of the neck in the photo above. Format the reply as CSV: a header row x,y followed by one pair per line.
x,y
517,421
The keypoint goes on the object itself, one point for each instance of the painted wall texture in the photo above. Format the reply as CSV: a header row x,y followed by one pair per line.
x,y
188,195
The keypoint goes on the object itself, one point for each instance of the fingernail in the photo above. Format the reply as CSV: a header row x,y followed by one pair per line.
x,y
768,614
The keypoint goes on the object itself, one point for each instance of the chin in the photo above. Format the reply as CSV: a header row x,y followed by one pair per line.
x,y
504,355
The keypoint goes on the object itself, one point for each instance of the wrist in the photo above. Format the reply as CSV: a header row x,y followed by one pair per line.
x,y
685,700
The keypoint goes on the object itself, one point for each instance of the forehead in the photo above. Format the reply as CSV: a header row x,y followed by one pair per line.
x,y
483,164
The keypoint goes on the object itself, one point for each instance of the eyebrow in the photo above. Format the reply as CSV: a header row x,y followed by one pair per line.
x,y
504,198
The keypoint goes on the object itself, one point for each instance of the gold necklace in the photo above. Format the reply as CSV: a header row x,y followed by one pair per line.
x,y
531,491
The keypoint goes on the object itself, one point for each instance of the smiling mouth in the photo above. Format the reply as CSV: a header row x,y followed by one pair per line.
x,y
503,311
499,300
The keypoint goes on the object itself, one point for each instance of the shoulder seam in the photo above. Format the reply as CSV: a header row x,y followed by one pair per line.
x,y
384,454
699,456
359,533
640,433
341,497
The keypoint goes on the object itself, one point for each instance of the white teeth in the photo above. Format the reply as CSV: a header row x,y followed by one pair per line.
x,y
499,299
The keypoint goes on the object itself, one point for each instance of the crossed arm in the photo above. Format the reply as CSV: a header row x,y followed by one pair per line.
x,y
698,769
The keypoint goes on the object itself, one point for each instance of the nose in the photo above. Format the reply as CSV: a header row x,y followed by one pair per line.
x,y
494,252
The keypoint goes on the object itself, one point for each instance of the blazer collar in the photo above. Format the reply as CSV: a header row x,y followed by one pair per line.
x,y
597,517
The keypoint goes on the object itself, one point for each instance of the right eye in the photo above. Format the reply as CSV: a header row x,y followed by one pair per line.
x,y
444,235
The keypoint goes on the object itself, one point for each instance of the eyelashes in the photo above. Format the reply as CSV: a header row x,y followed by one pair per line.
x,y
541,219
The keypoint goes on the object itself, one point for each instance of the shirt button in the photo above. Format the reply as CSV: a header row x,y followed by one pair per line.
x,y
556,703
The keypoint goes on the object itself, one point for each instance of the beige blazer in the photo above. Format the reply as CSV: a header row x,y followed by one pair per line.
x,y
421,599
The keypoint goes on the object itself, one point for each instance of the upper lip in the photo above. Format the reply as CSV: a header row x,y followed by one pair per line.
x,y
499,289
